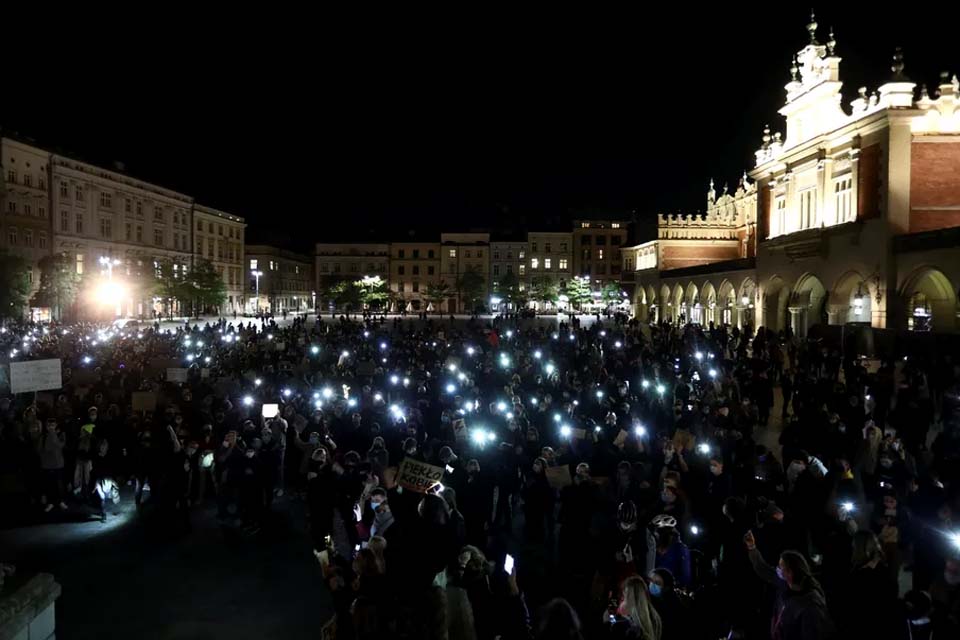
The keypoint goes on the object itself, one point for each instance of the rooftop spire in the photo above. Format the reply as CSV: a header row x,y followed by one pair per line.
x,y
831,43
897,66
812,28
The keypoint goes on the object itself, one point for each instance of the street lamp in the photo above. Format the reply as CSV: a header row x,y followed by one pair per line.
x,y
109,264
257,274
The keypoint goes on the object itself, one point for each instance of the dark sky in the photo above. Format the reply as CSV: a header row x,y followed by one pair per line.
x,y
327,127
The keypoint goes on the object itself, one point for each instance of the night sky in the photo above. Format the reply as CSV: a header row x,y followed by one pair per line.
x,y
335,128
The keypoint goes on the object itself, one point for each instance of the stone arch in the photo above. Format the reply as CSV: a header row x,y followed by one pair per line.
x,y
806,304
666,306
727,303
653,309
708,298
775,293
749,309
929,300
679,314
851,299
692,306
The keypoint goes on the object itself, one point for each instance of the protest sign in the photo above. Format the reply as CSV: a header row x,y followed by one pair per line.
x,y
418,476
204,373
559,477
144,401
280,346
35,375
579,434
270,410
176,374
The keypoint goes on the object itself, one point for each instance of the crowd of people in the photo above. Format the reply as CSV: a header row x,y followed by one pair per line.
x,y
607,480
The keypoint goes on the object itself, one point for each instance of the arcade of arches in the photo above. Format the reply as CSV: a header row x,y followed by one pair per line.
x,y
924,300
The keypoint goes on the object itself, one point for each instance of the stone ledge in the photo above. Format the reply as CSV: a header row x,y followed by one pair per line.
x,y
21,605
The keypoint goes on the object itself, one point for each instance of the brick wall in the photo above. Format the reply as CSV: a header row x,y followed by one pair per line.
x,y
675,257
934,183
868,183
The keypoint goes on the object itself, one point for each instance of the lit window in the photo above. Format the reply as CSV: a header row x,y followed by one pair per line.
x,y
843,199
546,263
584,225
562,264
808,209
615,225
80,264
599,254
253,263
521,255
453,253
523,269
534,263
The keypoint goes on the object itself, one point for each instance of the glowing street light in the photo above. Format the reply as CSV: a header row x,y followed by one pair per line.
x,y
256,275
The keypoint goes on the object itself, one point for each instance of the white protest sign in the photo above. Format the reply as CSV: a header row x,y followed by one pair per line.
x,y
176,374
270,410
35,375
418,476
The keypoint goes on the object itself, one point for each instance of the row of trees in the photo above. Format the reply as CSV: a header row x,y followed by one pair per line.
x,y
199,289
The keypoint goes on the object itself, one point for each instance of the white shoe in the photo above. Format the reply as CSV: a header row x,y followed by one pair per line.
x,y
48,508
63,505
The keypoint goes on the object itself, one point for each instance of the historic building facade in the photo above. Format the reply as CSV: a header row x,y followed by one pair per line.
x,y
414,269
24,204
847,218
278,281
219,237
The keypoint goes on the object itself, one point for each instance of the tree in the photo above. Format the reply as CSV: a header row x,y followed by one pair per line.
x,y
14,286
543,289
611,293
169,283
437,293
508,287
59,284
204,286
470,286
346,294
373,291
578,291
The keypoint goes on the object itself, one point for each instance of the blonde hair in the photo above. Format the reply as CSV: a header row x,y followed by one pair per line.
x,y
638,610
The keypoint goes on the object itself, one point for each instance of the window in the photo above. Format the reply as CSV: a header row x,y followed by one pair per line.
x,y
416,269
430,270
453,253
808,208
586,239
41,212
599,254
324,267
601,270
534,263
466,254
296,269
546,263
584,225
42,240
336,268
586,254
64,190
509,268
210,228
139,208
79,223
27,210
253,264
533,247
401,253
563,247
139,233
127,205
78,194
12,176
219,229
158,212
176,241
430,254
27,236
778,222
843,199
547,247
12,236
615,240
452,268
601,241
521,254
401,270
523,269
562,264
80,264
509,255
614,269
354,268
615,225
199,225
416,286
106,228
158,237
496,269
479,253
176,217
27,180
496,255
416,254
106,199
11,207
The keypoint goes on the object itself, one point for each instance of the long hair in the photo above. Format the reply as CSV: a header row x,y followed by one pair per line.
x,y
638,610
800,569
866,549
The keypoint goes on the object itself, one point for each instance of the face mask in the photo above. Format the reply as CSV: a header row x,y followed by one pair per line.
x,y
250,454
668,497
374,505
655,590
780,574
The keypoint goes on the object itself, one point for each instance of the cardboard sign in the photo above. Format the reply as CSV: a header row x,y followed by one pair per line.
x,y
204,373
621,439
280,346
559,477
144,401
176,374
579,434
270,410
418,476
460,429
389,477
35,375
